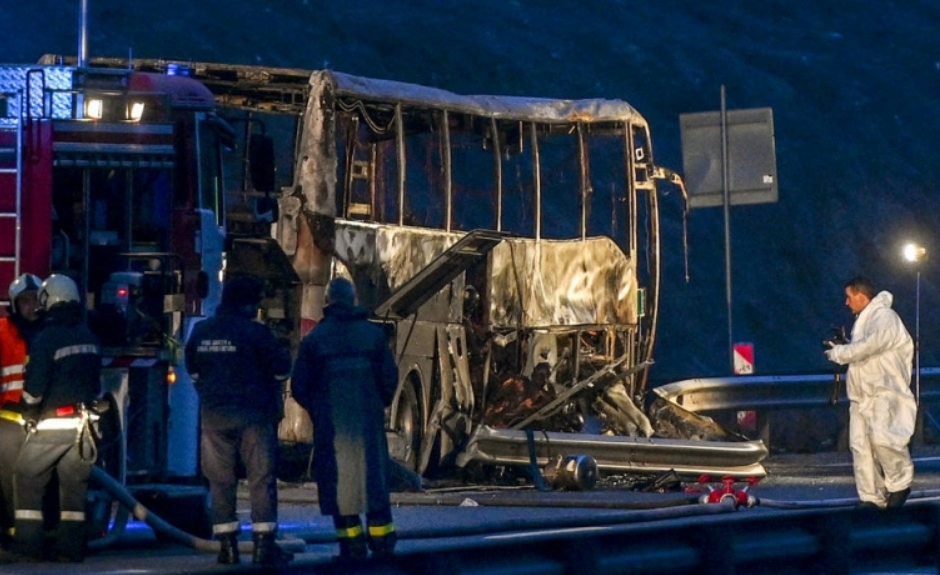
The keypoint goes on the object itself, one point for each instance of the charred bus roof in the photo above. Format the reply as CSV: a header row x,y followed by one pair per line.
x,y
287,90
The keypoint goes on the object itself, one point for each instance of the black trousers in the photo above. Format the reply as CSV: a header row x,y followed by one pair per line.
x,y
256,446
11,438
43,454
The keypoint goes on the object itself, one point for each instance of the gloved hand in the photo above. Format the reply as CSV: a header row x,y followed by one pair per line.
x,y
31,416
829,355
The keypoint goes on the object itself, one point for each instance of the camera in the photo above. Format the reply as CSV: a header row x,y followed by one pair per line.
x,y
838,338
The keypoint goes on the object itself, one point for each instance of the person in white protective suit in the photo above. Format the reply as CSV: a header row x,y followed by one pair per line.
x,y
882,409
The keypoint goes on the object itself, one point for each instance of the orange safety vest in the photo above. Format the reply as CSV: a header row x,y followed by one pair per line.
x,y
12,362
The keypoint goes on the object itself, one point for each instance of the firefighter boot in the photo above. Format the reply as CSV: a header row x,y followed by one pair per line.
x,y
353,549
228,550
352,540
382,539
268,552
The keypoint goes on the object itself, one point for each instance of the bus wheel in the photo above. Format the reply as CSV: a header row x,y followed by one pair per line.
x,y
408,426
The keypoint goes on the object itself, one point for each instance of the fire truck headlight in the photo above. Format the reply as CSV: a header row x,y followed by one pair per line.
x,y
135,111
94,108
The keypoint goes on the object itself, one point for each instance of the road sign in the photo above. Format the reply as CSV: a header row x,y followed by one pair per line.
x,y
752,160
743,358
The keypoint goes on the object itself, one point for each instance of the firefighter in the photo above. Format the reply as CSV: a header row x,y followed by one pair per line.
x,y
16,332
345,376
238,365
62,381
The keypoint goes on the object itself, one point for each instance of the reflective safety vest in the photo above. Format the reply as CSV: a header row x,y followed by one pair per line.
x,y
12,362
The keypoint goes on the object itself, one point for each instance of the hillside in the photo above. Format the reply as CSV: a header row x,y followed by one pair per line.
x,y
854,87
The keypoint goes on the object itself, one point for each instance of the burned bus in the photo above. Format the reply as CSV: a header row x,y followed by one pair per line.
x,y
498,239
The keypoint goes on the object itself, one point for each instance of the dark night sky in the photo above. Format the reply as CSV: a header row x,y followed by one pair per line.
x,y
854,87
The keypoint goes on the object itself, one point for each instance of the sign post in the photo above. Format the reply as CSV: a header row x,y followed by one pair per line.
x,y
729,158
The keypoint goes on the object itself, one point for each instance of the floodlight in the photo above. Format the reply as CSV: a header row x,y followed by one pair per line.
x,y
94,108
914,252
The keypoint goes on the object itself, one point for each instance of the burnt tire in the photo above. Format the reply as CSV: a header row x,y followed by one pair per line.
x,y
408,425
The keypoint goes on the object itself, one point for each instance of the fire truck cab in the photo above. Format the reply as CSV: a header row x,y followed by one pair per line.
x,y
113,177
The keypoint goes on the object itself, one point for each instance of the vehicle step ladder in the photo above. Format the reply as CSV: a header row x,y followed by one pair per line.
x,y
11,198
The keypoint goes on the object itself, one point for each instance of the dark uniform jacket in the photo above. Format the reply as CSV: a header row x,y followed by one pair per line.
x,y
237,365
345,376
64,365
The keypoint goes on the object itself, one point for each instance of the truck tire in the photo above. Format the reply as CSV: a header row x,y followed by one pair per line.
x,y
409,424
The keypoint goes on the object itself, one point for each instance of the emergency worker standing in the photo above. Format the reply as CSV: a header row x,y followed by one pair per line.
x,y
238,365
345,376
16,332
62,380
882,409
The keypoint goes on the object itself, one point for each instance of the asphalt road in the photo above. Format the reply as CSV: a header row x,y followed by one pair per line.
x,y
449,517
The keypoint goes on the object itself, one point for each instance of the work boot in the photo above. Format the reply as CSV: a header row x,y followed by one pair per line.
x,y
897,498
353,549
268,552
382,539
228,551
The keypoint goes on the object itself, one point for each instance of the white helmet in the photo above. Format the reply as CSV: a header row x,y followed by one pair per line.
x,y
57,289
26,282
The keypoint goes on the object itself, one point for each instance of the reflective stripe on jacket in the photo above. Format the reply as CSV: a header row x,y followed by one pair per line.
x,y
12,362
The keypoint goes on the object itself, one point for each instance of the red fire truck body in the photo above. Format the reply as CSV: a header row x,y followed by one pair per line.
x,y
113,177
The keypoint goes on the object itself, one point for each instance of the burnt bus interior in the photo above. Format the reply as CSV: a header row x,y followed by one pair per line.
x,y
527,180
447,173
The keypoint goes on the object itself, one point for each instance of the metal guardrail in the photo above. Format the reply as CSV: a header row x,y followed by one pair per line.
x,y
758,540
619,454
769,391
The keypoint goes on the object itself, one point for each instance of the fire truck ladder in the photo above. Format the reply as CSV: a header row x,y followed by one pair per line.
x,y
11,165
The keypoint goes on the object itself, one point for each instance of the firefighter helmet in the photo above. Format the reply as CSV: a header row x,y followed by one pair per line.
x,y
24,283
57,289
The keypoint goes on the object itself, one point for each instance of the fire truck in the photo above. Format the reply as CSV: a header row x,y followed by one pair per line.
x,y
498,239
113,177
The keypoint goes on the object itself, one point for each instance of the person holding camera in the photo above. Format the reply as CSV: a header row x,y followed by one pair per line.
x,y
882,409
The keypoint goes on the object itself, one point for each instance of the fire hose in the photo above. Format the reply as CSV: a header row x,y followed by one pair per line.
x,y
124,497
726,499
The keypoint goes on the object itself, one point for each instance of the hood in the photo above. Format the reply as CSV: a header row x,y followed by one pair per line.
x,y
883,299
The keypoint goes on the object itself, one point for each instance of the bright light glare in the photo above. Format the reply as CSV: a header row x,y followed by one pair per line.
x,y
94,109
136,111
914,252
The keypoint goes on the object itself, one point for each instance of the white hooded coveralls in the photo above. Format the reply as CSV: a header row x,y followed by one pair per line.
x,y
882,409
